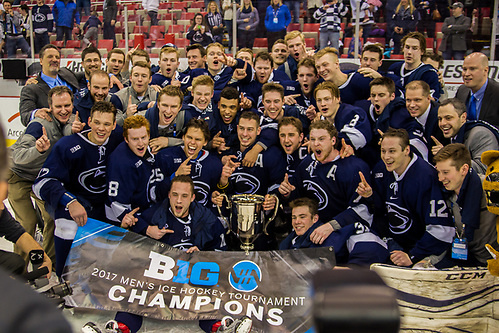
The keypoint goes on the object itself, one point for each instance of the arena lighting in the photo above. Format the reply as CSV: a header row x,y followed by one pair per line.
x,y
353,301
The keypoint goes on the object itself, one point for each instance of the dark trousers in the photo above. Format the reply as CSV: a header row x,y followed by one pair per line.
x,y
11,262
246,38
41,40
109,33
272,36
228,24
154,17
132,321
63,33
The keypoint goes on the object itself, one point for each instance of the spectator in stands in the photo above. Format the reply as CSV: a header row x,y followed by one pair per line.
x,y
247,22
404,20
196,57
199,32
215,22
277,19
65,17
453,44
93,23
426,8
13,31
151,7
110,10
312,6
43,24
366,15
436,61
279,53
24,10
329,16
351,47
475,225
479,92
294,5
34,97
83,6
227,8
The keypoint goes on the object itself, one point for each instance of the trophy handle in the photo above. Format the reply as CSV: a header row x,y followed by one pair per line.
x,y
273,215
223,195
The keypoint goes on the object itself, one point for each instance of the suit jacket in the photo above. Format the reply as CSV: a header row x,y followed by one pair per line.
x,y
457,33
35,96
489,111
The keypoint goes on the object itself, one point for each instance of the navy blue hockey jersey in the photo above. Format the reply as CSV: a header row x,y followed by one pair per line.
x,y
163,81
423,72
411,209
355,88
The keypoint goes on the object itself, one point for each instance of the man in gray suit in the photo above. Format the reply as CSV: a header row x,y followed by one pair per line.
x,y
34,97
454,30
479,93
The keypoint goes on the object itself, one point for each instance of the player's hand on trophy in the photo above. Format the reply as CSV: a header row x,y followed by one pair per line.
x,y
269,202
217,199
400,258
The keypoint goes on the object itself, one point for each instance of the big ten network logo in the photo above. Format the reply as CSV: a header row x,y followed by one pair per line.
x,y
245,276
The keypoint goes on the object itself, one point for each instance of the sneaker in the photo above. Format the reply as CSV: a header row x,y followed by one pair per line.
x,y
113,326
90,328
230,325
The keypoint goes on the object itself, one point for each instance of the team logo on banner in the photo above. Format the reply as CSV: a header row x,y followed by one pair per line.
x,y
244,276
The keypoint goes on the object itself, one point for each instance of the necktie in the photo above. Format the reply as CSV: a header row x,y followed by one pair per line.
x,y
472,109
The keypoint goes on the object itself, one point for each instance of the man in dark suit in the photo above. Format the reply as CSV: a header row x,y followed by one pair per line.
x,y
479,93
422,108
454,30
34,97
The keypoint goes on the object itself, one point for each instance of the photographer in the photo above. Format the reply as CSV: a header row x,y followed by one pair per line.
x,y
329,17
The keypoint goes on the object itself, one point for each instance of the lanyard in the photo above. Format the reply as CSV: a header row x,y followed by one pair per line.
x,y
275,13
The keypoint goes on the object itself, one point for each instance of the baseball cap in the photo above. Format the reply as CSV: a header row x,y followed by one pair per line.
x,y
457,4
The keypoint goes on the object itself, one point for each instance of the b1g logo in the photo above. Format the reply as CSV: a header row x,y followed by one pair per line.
x,y
245,276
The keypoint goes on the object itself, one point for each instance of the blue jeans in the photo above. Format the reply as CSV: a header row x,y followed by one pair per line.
x,y
83,4
329,36
228,24
294,8
448,54
14,43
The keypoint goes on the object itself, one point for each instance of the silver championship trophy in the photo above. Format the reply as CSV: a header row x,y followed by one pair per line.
x,y
247,218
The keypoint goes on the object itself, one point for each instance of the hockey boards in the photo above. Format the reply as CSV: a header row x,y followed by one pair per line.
x,y
464,300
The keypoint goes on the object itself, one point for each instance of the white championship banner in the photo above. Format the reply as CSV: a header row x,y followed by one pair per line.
x,y
110,268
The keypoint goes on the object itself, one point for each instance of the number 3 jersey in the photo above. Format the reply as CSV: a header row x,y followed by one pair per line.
x,y
410,208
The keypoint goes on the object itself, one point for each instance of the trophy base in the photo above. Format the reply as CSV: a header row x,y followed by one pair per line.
x,y
247,247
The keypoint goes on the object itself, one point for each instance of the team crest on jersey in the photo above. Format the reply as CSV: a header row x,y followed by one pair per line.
x,y
317,192
311,168
216,77
245,183
395,189
94,180
398,218
202,191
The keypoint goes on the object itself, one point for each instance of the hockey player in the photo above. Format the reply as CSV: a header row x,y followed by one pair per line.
x,y
370,61
353,86
324,176
303,94
478,136
279,53
168,74
196,57
353,244
351,121
43,23
138,96
132,172
224,127
202,105
264,73
91,61
412,68
409,206
295,42
384,111
166,119
191,159
183,223
72,181
96,91
220,68
291,139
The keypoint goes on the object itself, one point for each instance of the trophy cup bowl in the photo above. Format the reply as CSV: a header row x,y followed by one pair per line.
x,y
247,218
